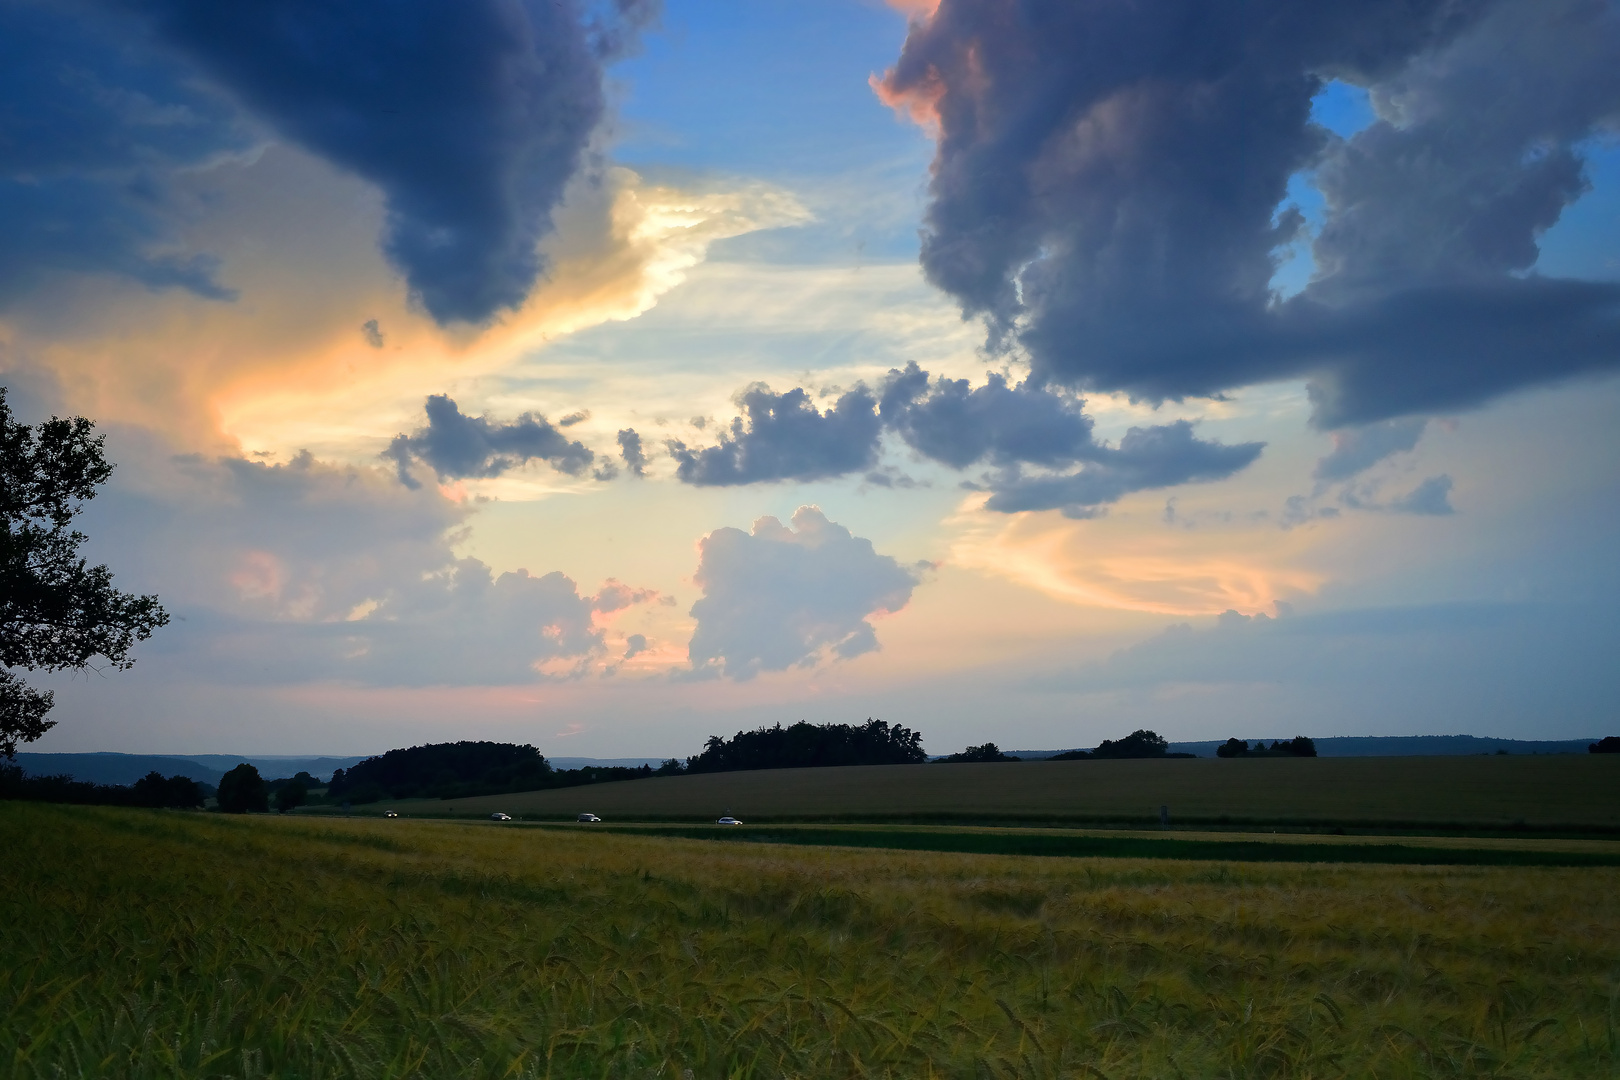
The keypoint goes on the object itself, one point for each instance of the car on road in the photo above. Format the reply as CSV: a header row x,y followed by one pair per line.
x,y
587,817
390,813
498,816
728,821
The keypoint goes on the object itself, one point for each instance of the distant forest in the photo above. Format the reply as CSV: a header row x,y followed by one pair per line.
x,y
809,746
459,769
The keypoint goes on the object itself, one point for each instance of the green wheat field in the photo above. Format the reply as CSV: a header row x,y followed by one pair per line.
x,y
182,944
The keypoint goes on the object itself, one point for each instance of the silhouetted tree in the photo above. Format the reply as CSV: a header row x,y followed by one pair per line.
x,y
811,745
291,795
56,611
242,789
1138,744
1609,744
155,789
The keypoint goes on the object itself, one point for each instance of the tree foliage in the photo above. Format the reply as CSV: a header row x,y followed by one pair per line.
x,y
811,745
153,789
56,610
1140,743
243,789
1609,744
1298,746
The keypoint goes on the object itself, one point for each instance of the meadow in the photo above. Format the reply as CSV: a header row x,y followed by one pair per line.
x,y
1570,792
183,944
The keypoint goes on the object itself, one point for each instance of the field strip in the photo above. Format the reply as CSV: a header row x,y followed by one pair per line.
x,y
1099,844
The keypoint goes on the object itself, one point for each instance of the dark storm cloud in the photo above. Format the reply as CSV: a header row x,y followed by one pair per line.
x,y
456,446
1010,428
1108,179
635,459
470,115
958,425
1146,458
1358,449
91,127
785,437
779,597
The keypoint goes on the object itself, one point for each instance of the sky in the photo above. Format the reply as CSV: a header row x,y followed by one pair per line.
x,y
605,376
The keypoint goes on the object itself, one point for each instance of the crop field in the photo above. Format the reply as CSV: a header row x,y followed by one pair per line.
x,y
183,944
1564,791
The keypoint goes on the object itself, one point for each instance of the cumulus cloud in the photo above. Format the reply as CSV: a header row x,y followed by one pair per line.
x,y
1010,428
635,458
470,115
456,446
1108,192
1357,449
779,597
785,437
1146,458
308,571
94,126
959,425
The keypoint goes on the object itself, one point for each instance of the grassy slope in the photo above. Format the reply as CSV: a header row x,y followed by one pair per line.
x,y
164,944
1485,791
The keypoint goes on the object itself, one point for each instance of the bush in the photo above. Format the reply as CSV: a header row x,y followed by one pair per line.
x,y
988,752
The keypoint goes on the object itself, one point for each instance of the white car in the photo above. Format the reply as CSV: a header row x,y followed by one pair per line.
x,y
728,821
390,813
587,817
500,817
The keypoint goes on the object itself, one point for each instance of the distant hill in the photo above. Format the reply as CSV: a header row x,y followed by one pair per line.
x,y
206,768
276,766
116,768
1385,746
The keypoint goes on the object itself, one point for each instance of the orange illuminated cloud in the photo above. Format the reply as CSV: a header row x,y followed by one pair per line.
x,y
919,103
1131,564
915,10
323,349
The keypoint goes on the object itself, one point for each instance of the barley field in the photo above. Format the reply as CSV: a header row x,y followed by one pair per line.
x,y
183,944
1482,792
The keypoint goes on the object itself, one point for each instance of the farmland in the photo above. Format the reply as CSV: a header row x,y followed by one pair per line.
x,y
1423,792
182,944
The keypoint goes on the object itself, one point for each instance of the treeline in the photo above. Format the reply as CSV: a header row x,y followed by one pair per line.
x,y
805,745
460,769
1298,746
153,790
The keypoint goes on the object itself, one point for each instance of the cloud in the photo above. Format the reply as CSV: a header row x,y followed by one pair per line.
x,y
780,597
457,446
1433,496
956,424
959,425
1146,459
92,130
1108,192
1358,449
634,646
785,437
635,459
371,330
313,572
470,115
